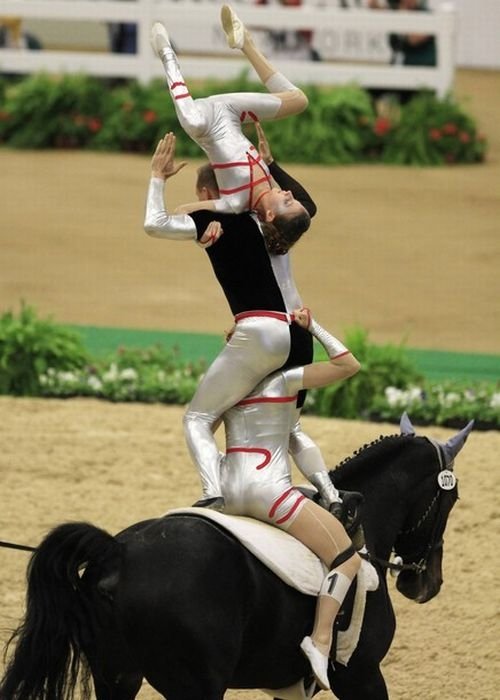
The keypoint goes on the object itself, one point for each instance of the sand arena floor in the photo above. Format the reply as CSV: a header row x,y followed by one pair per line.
x,y
406,253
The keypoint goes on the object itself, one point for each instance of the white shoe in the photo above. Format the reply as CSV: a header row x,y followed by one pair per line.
x,y
233,27
159,38
318,661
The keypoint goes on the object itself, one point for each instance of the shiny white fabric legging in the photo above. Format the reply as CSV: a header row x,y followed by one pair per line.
x,y
258,346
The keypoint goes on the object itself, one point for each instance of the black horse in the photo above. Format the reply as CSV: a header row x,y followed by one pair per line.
x,y
178,601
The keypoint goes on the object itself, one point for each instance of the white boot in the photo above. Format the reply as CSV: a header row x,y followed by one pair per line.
x,y
233,27
319,662
159,38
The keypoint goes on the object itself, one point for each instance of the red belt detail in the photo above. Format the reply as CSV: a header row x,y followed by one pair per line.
x,y
253,450
181,97
279,315
247,186
221,166
267,399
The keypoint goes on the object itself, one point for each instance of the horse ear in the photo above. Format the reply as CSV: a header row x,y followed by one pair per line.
x,y
405,425
453,446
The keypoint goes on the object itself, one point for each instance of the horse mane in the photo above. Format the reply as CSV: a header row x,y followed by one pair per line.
x,y
372,455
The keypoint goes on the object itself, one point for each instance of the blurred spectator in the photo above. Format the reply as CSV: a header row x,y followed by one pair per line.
x,y
296,44
12,35
409,49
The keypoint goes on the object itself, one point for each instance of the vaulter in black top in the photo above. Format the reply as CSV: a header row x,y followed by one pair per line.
x,y
260,290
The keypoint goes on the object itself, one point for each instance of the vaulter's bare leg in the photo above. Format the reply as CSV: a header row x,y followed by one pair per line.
x,y
326,537
293,100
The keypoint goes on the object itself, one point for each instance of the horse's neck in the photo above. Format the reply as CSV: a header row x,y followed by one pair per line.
x,y
386,480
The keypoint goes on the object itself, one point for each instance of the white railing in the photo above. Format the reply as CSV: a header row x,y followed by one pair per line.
x,y
195,30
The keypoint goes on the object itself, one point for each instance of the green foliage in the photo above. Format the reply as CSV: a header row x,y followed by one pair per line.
x,y
339,126
46,112
381,366
29,346
433,132
41,358
449,403
155,374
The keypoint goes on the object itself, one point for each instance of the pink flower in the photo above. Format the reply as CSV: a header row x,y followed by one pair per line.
x,y
434,134
464,137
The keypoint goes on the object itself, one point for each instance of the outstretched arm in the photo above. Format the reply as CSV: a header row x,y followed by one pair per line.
x,y
158,222
342,363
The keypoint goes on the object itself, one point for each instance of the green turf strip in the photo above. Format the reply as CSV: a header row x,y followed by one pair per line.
x,y
433,364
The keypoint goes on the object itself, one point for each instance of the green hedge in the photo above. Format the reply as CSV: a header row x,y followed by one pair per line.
x,y
340,126
41,358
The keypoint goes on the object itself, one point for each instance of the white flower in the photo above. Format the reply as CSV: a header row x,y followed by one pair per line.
x,y
129,374
450,399
94,382
112,374
495,400
67,377
402,397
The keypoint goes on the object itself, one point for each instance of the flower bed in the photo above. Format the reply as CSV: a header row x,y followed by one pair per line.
x,y
41,358
340,125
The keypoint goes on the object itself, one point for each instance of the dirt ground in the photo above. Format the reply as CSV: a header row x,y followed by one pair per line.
x,y
117,464
406,253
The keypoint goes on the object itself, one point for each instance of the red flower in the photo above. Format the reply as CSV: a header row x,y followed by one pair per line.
x,y
434,134
464,137
382,126
94,125
450,128
149,116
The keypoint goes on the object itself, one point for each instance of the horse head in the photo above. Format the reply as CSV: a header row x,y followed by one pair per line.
x,y
420,542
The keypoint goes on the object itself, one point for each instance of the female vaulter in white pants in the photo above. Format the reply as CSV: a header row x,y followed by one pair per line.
x,y
215,124
256,480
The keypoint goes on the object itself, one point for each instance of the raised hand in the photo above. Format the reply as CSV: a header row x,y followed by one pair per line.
x,y
263,144
162,164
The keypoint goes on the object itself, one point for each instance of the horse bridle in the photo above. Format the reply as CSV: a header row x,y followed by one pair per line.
x,y
419,563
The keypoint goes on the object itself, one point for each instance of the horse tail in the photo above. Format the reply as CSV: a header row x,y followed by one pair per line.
x,y
48,659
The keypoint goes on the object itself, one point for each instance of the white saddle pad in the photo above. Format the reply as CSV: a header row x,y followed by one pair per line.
x,y
295,564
